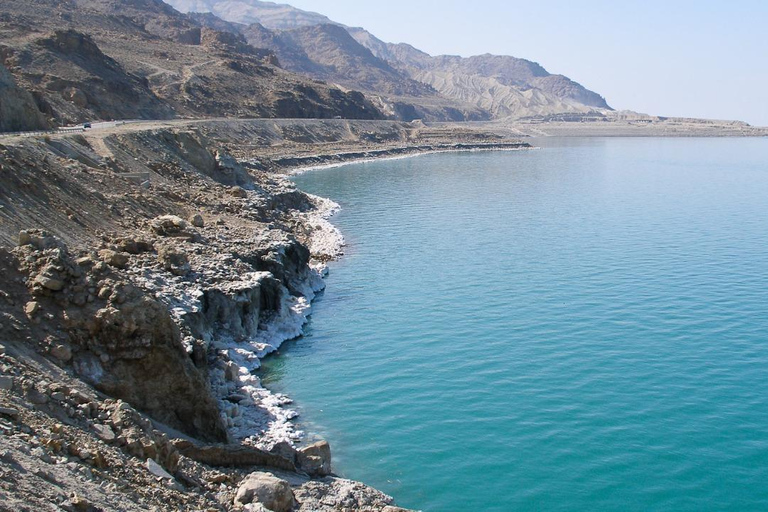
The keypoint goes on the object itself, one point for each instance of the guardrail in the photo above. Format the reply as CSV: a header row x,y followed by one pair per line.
x,y
71,129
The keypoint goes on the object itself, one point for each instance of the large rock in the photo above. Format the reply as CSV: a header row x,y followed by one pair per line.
x,y
266,489
315,459
172,226
174,260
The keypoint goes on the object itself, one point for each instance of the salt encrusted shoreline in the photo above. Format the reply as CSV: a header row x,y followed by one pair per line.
x,y
299,165
325,243
270,421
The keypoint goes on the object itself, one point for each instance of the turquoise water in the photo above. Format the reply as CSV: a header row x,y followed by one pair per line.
x,y
582,327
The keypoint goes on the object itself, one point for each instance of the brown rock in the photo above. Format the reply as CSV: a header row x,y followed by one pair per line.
x,y
31,308
114,258
172,226
61,352
315,459
49,283
174,261
238,192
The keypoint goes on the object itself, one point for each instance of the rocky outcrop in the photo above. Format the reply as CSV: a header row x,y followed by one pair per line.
x,y
119,339
18,109
234,456
82,79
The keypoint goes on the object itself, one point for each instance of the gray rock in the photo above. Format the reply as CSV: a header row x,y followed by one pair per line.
x,y
36,397
265,488
157,470
58,396
11,413
197,220
231,371
6,383
105,433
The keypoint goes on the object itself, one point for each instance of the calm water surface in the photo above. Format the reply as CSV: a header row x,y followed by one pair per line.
x,y
583,327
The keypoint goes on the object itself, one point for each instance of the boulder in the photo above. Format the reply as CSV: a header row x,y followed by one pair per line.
x,y
49,283
114,258
104,432
61,352
174,261
157,470
31,308
315,459
6,382
172,226
197,220
266,489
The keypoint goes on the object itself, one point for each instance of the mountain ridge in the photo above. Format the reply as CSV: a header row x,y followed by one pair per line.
x,y
503,86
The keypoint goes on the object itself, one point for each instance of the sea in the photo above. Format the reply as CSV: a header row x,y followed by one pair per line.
x,y
582,326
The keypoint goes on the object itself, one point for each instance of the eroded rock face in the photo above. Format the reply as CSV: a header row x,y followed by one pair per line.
x,y
18,110
273,493
121,340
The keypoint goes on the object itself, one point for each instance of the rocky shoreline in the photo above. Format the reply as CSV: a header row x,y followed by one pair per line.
x,y
146,272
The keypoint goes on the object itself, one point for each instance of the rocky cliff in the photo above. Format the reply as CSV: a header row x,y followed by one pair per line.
x,y
18,109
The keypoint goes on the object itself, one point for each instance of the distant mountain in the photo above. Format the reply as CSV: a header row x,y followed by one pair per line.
x,y
505,86
329,52
269,14
307,42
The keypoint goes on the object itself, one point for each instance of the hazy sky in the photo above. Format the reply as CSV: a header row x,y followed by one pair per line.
x,y
672,57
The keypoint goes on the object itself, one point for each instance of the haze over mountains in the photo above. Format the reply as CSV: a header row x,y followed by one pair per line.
x,y
484,86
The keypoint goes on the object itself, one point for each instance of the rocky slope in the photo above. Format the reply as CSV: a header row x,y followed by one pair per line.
x,y
328,52
119,59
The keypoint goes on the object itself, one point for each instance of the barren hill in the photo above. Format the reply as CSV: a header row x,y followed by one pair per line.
x,y
499,86
88,59
503,85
